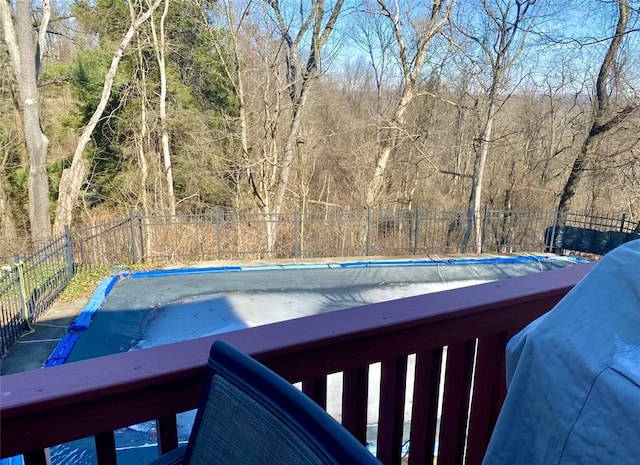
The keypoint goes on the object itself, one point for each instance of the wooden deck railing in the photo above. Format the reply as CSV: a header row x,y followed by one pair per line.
x,y
43,408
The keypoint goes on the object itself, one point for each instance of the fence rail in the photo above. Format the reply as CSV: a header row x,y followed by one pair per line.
x,y
29,285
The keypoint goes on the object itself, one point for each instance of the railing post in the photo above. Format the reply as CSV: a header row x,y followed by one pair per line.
x,y
132,227
218,233
368,240
68,251
416,230
39,457
484,227
623,221
295,233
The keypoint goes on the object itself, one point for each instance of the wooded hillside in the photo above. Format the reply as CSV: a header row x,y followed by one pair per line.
x,y
180,106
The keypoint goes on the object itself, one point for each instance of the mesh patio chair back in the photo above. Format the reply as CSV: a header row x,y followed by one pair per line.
x,y
250,415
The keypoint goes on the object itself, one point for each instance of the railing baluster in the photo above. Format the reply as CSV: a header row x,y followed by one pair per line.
x,y
354,402
457,385
37,457
316,389
393,381
489,389
424,414
167,428
106,448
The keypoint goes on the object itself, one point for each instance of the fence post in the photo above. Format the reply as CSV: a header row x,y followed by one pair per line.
x,y
484,227
142,250
132,227
68,251
368,240
83,261
295,233
552,240
622,222
416,230
218,233
22,292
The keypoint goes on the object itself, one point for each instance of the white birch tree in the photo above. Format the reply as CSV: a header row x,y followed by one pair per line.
x,y
160,46
411,43
75,176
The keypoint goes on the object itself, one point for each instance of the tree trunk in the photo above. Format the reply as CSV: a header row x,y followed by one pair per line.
x,y
14,57
74,177
388,145
21,45
475,198
288,152
42,33
501,39
17,115
142,156
234,72
160,48
575,175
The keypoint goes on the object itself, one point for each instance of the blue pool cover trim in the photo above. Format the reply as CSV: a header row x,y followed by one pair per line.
x,y
356,264
62,350
83,320
17,460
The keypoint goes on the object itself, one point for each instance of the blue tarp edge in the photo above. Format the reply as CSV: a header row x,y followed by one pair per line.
x,y
83,320
363,263
17,460
62,350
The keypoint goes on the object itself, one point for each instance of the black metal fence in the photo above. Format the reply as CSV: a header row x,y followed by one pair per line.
x,y
590,236
29,286
231,235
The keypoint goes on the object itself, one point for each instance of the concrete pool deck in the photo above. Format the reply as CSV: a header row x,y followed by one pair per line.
x,y
33,349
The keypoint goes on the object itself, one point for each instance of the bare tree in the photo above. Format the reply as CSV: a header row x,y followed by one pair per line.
x,y
501,40
74,177
289,63
411,57
302,71
604,119
234,68
25,52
